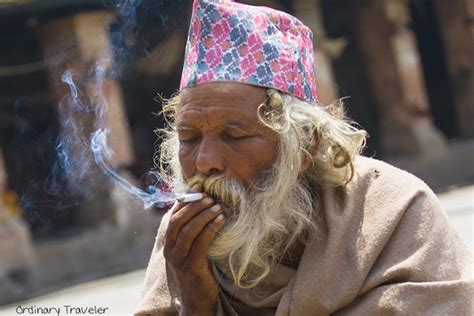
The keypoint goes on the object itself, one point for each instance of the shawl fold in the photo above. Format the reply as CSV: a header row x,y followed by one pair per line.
x,y
385,247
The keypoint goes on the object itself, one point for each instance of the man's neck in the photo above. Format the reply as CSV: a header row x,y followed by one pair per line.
x,y
293,257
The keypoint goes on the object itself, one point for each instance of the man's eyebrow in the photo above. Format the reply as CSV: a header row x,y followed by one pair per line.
x,y
226,125
183,127
233,124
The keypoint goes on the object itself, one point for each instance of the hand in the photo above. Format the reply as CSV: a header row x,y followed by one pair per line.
x,y
191,229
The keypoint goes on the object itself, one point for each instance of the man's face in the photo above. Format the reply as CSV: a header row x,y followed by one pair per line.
x,y
220,133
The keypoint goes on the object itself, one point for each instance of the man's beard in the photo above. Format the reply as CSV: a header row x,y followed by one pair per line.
x,y
262,222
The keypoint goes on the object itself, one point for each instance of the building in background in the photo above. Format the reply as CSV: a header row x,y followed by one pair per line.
x,y
406,67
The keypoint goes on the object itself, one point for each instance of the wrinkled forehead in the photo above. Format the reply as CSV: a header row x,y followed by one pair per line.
x,y
220,103
223,91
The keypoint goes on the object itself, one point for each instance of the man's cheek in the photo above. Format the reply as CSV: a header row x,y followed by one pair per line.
x,y
186,170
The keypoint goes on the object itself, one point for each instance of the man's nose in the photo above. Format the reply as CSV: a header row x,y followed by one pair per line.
x,y
210,160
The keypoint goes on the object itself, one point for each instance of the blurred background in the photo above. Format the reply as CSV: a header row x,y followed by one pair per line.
x,y
406,66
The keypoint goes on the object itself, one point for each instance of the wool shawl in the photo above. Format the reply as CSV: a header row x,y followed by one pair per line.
x,y
385,247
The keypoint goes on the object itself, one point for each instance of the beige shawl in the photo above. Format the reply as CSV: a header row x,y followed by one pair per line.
x,y
387,248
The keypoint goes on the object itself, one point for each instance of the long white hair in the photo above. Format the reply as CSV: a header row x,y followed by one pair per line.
x,y
281,207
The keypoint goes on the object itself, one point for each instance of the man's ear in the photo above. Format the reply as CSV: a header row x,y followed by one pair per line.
x,y
309,154
307,162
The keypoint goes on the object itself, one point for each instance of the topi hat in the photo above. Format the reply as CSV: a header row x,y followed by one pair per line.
x,y
229,41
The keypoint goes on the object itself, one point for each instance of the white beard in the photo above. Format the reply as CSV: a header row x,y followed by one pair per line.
x,y
262,223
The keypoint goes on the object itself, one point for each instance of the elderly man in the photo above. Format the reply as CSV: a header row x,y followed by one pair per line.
x,y
293,221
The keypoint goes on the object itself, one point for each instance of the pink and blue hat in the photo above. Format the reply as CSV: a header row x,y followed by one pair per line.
x,y
229,41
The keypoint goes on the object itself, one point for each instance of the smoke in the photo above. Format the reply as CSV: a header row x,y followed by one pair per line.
x,y
82,152
78,154
154,196
74,147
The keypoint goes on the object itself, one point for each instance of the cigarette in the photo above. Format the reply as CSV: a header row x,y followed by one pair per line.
x,y
190,197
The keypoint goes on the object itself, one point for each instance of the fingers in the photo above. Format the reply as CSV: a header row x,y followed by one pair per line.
x,y
194,236
177,206
193,230
200,246
183,215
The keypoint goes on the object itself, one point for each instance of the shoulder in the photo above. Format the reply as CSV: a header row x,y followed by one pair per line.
x,y
379,196
378,189
393,239
369,167
377,179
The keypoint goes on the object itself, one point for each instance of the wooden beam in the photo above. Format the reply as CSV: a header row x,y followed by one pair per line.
x,y
457,31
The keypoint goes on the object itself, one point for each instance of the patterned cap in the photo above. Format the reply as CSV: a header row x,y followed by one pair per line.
x,y
229,41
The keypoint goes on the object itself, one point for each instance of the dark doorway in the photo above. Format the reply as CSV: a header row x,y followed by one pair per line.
x,y
425,26
28,133
339,20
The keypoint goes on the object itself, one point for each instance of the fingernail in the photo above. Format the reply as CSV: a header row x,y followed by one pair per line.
x,y
207,201
220,218
216,208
